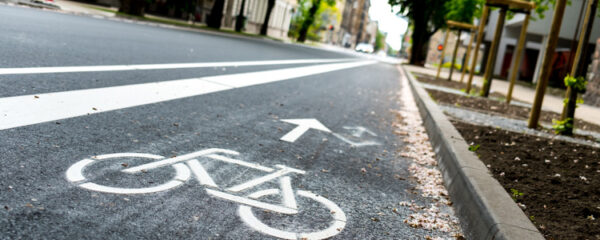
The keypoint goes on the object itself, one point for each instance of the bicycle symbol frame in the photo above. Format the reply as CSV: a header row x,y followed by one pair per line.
x,y
188,164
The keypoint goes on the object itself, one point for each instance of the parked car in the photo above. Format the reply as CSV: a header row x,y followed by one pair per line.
x,y
364,47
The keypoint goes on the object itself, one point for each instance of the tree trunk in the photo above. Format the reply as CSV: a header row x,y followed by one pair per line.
x,y
239,21
216,14
420,39
132,7
265,25
309,20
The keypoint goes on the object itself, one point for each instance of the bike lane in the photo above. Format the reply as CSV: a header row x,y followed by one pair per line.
x,y
360,165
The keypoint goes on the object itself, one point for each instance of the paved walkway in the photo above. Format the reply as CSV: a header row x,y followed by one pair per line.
x,y
552,103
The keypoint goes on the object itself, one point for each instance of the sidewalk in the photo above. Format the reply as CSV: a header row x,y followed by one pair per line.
x,y
552,103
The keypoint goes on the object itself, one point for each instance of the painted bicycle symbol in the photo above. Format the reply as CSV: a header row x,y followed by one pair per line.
x,y
186,165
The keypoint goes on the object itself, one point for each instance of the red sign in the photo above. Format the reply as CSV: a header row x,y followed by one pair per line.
x,y
440,47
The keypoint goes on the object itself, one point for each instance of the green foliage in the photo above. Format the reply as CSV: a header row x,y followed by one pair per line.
x,y
325,14
515,194
474,148
379,41
562,126
434,12
447,65
463,10
578,84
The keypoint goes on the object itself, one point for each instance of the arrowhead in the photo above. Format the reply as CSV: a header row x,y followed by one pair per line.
x,y
308,122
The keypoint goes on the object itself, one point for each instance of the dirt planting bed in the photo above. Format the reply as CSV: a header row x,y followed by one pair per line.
x,y
501,108
556,183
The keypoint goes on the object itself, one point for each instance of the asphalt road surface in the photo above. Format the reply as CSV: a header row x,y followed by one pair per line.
x,y
217,155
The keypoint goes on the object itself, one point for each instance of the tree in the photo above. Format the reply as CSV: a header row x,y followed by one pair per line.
x,y
379,41
132,7
216,14
309,17
426,16
239,20
265,25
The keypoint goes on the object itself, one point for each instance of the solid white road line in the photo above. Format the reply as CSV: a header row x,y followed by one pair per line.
x,y
26,110
71,69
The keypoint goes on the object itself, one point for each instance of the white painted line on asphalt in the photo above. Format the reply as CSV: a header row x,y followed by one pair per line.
x,y
240,162
251,202
288,193
37,108
182,174
106,68
257,181
170,161
337,225
75,172
201,174
303,126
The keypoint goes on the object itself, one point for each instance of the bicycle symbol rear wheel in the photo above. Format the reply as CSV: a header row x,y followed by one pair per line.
x,y
75,174
337,225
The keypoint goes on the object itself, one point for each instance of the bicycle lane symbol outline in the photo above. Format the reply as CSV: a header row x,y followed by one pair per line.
x,y
187,165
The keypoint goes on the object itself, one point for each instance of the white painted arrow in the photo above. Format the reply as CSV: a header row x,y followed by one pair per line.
x,y
303,126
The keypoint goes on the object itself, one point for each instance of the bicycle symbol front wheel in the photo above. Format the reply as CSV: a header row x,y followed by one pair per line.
x,y
336,226
75,174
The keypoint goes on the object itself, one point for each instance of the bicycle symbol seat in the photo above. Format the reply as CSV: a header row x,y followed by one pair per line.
x,y
186,165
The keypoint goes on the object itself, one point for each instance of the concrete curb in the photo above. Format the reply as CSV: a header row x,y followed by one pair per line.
x,y
485,209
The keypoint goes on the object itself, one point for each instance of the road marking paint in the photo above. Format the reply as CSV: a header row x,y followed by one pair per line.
x,y
356,144
105,68
303,126
359,131
288,194
107,189
75,172
240,162
255,78
336,227
117,155
201,174
182,174
251,202
258,181
170,161
27,110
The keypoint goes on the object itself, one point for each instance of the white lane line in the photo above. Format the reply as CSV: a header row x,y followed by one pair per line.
x,y
37,108
72,69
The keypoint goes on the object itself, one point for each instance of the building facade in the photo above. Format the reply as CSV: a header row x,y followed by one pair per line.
x,y
592,95
355,21
255,11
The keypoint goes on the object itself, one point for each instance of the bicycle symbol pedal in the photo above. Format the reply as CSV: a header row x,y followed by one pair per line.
x,y
187,165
